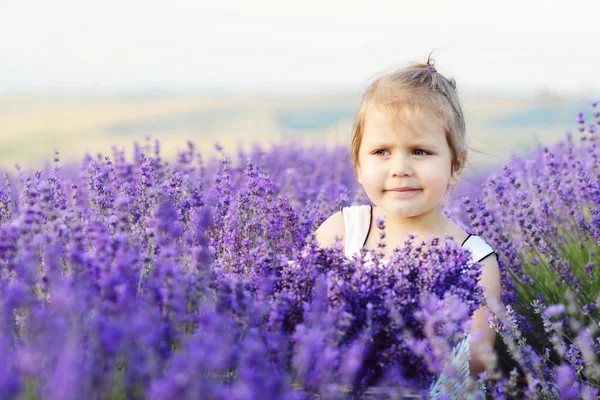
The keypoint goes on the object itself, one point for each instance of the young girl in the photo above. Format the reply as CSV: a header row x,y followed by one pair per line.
x,y
409,150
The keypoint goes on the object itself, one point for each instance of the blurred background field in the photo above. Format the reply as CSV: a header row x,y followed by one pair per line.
x,y
82,77
32,126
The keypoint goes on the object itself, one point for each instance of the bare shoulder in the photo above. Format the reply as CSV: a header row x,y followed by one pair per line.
x,y
332,228
490,277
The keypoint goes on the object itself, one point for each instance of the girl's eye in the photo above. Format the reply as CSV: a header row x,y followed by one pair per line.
x,y
379,152
422,152
417,152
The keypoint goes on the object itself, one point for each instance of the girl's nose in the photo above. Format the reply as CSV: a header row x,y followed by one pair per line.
x,y
401,166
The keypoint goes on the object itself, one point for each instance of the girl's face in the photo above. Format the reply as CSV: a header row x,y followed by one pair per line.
x,y
393,157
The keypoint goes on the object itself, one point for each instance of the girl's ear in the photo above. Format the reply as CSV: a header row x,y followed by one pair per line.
x,y
455,177
358,175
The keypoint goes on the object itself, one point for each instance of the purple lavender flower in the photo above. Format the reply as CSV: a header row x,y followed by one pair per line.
x,y
566,385
202,277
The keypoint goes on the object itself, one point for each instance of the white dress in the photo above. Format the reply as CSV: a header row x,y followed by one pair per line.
x,y
357,220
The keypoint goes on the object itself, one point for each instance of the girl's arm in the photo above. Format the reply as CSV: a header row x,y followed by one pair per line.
x,y
332,228
481,333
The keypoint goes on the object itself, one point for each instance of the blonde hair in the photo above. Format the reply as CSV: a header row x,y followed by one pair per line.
x,y
414,91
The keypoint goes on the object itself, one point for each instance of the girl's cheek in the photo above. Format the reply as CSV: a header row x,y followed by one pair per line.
x,y
372,171
438,180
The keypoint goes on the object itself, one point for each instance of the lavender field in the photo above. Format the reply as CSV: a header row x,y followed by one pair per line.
x,y
130,277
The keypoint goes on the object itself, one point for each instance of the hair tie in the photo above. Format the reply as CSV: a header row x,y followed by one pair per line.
x,y
430,67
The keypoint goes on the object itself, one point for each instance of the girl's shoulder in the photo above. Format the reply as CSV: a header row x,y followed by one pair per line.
x,y
357,218
355,209
331,230
357,226
478,247
336,225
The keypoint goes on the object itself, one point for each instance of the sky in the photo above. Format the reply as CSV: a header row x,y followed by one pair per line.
x,y
280,46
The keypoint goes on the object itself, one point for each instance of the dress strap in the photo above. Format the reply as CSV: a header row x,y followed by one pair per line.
x,y
357,224
478,247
